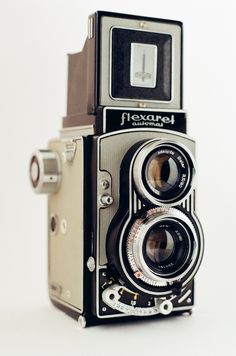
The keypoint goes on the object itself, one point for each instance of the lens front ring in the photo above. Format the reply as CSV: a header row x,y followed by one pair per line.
x,y
166,247
134,247
163,172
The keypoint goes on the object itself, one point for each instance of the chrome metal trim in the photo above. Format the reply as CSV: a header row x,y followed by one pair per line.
x,y
90,27
190,308
111,297
49,171
185,296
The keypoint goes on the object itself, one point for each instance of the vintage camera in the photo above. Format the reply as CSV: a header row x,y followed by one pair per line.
x,y
123,238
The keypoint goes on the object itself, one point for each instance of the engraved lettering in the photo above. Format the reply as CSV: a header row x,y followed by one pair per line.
x,y
147,119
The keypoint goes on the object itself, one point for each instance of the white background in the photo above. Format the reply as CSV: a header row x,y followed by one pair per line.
x,y
35,36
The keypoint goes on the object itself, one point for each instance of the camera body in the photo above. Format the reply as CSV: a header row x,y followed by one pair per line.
x,y
123,237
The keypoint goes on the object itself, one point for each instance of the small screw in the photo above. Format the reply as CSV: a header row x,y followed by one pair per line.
x,y
142,105
189,300
104,184
104,309
143,24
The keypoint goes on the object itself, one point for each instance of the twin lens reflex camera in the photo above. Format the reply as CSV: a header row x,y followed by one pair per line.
x,y
123,238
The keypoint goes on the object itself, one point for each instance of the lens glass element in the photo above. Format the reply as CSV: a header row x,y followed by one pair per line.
x,y
166,247
160,245
162,172
166,173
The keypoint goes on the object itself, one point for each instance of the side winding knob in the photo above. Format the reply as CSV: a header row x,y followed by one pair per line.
x,y
45,171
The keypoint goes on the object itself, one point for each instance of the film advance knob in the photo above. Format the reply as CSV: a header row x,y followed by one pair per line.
x,y
45,171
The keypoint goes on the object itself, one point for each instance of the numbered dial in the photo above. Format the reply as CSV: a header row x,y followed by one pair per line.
x,y
130,303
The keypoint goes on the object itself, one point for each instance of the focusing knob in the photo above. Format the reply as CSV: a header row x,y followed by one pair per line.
x,y
45,171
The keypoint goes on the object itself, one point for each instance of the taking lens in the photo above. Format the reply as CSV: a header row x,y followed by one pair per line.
x,y
163,246
166,247
159,245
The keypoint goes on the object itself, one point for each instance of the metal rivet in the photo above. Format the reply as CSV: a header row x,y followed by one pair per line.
x,y
143,24
91,264
189,300
82,322
142,105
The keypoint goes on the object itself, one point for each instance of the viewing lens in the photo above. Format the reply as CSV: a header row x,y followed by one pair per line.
x,y
162,172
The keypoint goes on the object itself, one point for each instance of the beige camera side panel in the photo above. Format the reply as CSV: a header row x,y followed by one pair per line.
x,y
65,244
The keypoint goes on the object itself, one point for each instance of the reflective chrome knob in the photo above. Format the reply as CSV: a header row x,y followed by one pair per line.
x,y
45,171
164,307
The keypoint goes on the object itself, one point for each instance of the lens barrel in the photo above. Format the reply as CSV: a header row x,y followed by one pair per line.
x,y
163,247
163,172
